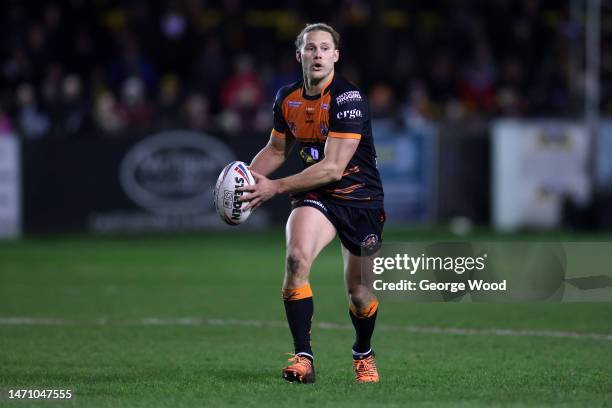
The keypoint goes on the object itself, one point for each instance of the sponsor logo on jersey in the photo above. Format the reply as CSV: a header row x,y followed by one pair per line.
x,y
349,114
294,104
317,203
348,97
310,155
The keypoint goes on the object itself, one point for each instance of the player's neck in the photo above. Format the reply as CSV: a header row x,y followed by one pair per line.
x,y
312,88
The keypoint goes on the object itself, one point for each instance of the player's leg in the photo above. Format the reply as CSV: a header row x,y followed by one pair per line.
x,y
361,235
363,309
363,305
308,232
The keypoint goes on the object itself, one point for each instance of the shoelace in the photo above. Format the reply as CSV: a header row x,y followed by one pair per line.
x,y
299,360
366,366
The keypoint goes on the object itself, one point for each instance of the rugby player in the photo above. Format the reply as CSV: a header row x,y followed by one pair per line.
x,y
339,192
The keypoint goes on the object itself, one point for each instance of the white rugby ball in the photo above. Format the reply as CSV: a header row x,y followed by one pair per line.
x,y
234,175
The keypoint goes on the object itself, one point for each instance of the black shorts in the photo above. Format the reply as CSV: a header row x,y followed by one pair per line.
x,y
359,229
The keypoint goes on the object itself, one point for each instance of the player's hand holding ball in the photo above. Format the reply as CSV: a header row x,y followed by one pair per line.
x,y
228,193
258,193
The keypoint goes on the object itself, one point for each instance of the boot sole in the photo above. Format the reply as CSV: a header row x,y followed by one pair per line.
x,y
292,376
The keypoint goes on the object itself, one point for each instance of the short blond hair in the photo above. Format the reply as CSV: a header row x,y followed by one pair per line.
x,y
299,40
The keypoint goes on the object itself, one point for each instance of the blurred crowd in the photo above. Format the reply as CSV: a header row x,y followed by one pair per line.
x,y
104,68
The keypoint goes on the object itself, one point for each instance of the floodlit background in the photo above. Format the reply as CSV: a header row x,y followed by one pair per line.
x,y
119,281
485,113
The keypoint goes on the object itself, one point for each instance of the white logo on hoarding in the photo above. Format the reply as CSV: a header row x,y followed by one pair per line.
x,y
171,172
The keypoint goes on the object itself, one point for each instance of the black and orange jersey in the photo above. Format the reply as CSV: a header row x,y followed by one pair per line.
x,y
341,111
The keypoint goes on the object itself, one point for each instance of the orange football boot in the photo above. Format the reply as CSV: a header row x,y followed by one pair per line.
x,y
365,370
301,370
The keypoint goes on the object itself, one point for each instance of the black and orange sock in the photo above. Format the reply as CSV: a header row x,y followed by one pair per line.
x,y
363,322
299,309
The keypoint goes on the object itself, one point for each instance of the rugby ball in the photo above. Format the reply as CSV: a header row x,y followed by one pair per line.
x,y
234,175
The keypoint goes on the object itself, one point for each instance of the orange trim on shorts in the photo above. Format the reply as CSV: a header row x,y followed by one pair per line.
x,y
278,134
366,312
303,292
339,135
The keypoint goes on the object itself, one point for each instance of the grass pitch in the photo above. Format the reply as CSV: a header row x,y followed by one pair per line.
x,y
197,320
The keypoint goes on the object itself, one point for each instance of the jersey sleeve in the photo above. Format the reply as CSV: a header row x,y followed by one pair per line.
x,y
347,115
280,125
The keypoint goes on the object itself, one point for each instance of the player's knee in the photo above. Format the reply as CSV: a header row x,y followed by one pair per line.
x,y
359,296
298,264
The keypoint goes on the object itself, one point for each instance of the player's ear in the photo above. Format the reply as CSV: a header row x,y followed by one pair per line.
x,y
298,56
336,55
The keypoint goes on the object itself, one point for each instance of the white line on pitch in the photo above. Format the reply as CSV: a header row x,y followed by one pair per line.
x,y
195,321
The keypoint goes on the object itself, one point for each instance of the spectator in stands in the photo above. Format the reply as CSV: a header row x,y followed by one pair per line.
x,y
169,101
37,52
50,90
477,79
17,68
509,100
32,122
105,43
6,125
134,109
107,115
441,83
196,112
418,109
243,93
74,114
210,69
288,71
133,64
381,101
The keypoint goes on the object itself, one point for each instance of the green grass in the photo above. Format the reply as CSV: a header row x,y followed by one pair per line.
x,y
120,362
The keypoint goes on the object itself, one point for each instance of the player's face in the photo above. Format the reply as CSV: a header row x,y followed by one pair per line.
x,y
318,55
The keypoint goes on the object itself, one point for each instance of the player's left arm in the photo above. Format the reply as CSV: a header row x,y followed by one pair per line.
x,y
338,153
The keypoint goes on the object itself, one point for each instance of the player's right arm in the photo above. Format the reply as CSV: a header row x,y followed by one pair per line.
x,y
272,156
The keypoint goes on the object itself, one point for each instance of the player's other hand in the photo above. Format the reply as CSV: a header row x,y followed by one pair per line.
x,y
263,190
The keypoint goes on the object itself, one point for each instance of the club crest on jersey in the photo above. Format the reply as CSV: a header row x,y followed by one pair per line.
x,y
324,106
324,129
292,127
309,115
370,242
